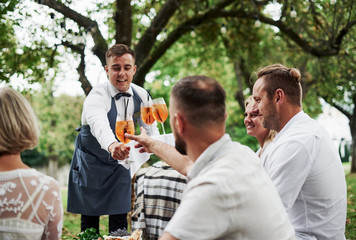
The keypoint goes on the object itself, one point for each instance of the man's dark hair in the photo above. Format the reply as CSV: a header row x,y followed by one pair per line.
x,y
288,79
119,50
201,99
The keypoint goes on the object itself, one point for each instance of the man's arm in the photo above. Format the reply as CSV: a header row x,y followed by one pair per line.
x,y
166,152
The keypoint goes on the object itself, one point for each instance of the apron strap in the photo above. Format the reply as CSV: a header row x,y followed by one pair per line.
x,y
137,105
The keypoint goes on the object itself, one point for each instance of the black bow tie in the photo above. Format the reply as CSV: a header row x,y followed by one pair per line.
x,y
119,95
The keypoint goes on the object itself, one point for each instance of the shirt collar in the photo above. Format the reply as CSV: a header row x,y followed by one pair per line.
x,y
113,91
212,152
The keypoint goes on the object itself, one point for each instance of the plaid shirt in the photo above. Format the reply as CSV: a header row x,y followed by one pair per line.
x,y
158,191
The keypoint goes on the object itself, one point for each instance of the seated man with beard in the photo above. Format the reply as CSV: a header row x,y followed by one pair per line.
x,y
302,161
228,195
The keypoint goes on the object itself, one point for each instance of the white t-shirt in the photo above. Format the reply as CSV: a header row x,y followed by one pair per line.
x,y
229,196
98,104
30,206
306,169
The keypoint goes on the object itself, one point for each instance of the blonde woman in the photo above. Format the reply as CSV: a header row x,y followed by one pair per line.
x,y
30,202
254,127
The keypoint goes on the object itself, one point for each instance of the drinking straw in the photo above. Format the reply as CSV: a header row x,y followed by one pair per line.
x,y
126,104
149,95
148,100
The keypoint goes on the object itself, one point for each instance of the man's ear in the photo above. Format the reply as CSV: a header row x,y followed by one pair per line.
x,y
279,95
106,69
181,123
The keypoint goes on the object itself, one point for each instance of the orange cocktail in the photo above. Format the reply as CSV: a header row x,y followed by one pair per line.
x,y
147,115
123,127
160,112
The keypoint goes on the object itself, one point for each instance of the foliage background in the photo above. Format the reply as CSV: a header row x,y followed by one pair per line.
x,y
47,41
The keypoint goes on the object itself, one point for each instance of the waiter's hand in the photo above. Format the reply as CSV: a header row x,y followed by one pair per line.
x,y
119,151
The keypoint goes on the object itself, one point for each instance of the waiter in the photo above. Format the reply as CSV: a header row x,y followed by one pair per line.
x,y
98,184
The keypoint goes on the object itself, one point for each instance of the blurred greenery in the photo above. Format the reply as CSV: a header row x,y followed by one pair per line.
x,y
59,116
34,158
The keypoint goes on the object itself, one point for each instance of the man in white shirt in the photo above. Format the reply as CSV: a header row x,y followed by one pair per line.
x,y
98,185
228,195
302,161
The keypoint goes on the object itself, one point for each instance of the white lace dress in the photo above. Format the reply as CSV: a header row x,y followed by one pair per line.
x,y
30,206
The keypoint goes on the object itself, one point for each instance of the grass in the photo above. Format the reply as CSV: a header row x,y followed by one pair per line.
x,y
351,207
71,224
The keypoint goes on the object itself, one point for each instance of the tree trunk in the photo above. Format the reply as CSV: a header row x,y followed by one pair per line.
x,y
123,22
353,145
239,95
53,167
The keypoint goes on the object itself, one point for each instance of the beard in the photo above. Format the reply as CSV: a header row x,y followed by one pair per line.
x,y
270,118
180,145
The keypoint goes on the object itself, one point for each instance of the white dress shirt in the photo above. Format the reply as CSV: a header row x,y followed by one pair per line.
x,y
229,196
306,169
98,104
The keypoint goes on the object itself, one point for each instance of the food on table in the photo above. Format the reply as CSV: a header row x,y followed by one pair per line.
x,y
136,235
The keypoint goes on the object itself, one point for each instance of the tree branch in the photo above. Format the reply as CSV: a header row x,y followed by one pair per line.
x,y
338,107
241,74
86,86
148,39
344,31
178,32
326,97
321,50
100,46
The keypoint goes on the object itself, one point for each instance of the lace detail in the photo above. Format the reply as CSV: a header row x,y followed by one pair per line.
x,y
30,205
12,205
6,187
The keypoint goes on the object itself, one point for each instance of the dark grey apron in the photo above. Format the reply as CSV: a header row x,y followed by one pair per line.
x,y
97,184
